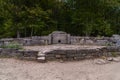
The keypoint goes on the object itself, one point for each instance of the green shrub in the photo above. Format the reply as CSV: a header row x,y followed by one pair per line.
x,y
114,54
13,45
108,44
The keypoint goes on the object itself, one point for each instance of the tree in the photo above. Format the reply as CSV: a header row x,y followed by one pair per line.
x,y
24,18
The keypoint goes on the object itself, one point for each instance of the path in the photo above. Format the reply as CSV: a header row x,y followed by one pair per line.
x,y
11,69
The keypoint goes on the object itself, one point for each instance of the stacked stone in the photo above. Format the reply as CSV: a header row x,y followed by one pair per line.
x,y
29,55
41,57
66,54
8,52
77,54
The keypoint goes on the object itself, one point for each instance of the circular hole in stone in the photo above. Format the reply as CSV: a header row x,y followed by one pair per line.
x,y
59,41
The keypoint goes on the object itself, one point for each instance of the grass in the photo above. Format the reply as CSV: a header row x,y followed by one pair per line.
x,y
12,45
114,54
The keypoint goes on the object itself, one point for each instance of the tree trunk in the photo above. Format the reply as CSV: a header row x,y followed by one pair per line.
x,y
25,33
18,34
32,32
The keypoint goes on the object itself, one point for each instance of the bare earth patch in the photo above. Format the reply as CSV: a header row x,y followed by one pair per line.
x,y
12,69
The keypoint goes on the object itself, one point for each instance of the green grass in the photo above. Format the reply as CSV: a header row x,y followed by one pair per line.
x,y
114,54
12,45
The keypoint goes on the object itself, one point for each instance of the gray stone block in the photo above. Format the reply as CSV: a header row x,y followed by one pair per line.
x,y
118,43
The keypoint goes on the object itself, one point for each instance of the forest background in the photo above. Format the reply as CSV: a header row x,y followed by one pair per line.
x,y
25,18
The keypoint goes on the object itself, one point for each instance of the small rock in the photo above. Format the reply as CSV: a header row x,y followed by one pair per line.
x,y
61,61
101,61
58,56
116,59
103,57
41,55
41,59
110,59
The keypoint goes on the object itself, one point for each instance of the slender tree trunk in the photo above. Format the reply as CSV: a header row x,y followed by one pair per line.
x,y
25,32
18,34
32,32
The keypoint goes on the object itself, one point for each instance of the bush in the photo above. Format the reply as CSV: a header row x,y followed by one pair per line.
x,y
114,54
13,45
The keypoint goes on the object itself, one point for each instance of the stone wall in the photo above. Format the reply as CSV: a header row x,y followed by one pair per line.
x,y
80,54
91,40
73,40
62,54
30,41
21,54
59,37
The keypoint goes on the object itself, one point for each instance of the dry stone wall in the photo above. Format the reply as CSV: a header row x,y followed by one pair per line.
x,y
79,54
61,54
21,54
59,37
72,40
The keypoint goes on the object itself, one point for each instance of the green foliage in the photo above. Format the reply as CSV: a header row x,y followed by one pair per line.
x,y
24,18
114,54
12,45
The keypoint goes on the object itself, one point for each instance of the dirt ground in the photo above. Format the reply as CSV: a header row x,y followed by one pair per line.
x,y
12,69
